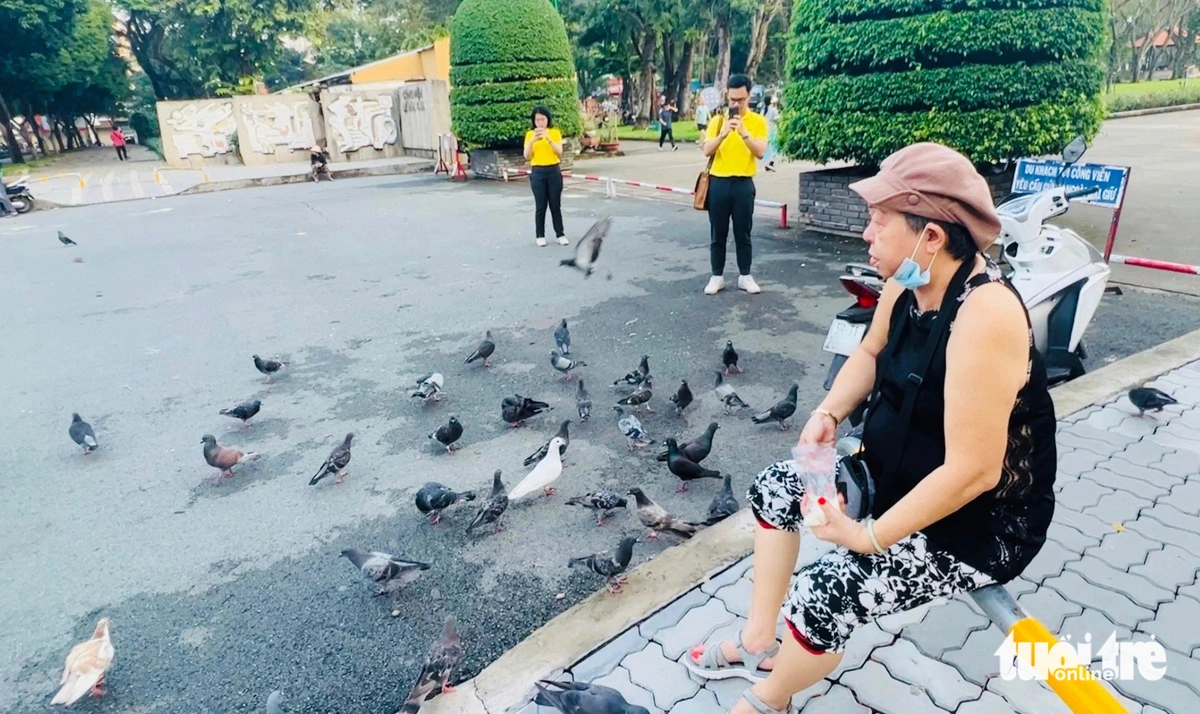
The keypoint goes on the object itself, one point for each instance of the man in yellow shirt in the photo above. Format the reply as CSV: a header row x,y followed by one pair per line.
x,y
738,139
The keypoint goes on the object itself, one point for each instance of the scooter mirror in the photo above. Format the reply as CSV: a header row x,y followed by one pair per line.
x,y
1074,151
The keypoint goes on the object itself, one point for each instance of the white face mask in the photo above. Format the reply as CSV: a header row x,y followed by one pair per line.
x,y
909,275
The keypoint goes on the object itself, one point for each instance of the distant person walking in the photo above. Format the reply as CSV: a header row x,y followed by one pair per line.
x,y
772,134
702,120
118,142
736,141
543,151
666,119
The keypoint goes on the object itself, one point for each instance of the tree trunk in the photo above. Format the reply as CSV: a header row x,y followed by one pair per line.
x,y
669,66
645,103
14,148
760,32
58,136
683,77
721,72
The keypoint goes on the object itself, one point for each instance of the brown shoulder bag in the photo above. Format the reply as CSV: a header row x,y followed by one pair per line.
x,y
700,192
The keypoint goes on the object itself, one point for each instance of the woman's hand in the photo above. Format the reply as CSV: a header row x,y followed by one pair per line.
x,y
820,429
839,528
539,133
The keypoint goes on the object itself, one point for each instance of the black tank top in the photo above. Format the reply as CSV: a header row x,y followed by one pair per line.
x,y
1002,530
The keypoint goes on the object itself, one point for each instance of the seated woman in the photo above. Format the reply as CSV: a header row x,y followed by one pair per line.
x,y
320,164
964,486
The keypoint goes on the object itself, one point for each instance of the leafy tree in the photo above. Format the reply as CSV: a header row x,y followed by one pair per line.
x,y
359,32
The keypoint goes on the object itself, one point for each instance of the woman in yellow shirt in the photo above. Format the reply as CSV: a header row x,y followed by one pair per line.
x,y
543,151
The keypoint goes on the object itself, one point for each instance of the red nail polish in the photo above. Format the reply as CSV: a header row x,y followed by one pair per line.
x,y
821,501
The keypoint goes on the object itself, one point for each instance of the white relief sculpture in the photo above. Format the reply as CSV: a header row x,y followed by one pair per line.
x,y
278,124
203,128
357,121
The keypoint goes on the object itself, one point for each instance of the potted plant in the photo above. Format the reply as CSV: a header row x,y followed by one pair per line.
x,y
608,134
589,140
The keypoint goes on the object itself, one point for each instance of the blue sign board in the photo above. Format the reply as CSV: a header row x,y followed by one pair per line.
x,y
1035,175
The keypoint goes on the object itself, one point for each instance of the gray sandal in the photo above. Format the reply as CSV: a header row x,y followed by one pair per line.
x,y
713,664
761,707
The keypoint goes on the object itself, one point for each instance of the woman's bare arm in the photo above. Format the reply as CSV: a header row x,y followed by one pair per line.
x,y
854,382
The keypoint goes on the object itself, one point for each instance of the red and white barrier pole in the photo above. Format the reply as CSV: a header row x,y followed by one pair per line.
x,y
1154,264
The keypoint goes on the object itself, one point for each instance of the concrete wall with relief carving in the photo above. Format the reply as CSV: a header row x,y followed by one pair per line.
x,y
424,113
277,128
198,132
362,122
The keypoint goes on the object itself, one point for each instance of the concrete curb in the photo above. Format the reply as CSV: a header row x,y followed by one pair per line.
x,y
1152,110
389,170
507,684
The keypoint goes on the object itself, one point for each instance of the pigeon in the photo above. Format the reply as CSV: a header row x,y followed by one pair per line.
x,y
682,398
631,428
385,569
444,656
656,518
429,387
338,459
684,468
483,351
781,411
564,364
723,504
493,507
541,453
587,250
243,411
86,664
699,448
220,457
1149,399
516,409
603,502
82,434
583,402
562,337
729,358
608,565
62,238
584,698
448,434
635,377
545,473
433,498
640,397
729,398
268,366
275,702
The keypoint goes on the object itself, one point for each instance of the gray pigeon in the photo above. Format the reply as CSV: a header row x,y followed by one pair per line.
x,y
631,428
635,377
583,402
444,656
484,351
587,250
275,702
608,565
564,364
243,411
516,409
641,396
682,398
448,433
268,366
62,238
563,433
562,337
493,507
384,569
602,502
81,433
729,398
656,518
433,498
1149,399
729,357
584,698
337,462
685,468
429,386
699,448
723,504
781,411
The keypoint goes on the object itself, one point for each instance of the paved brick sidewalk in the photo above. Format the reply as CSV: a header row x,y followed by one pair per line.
x,y
1121,556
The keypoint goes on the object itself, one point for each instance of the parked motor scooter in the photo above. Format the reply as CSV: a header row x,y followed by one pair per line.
x,y
19,195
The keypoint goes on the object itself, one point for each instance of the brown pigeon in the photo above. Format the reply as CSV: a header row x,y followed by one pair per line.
x,y
220,457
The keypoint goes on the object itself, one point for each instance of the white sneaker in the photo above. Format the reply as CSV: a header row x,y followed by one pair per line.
x,y
541,242
715,285
746,282
562,240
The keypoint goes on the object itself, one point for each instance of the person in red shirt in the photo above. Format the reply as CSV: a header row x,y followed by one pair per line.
x,y
118,142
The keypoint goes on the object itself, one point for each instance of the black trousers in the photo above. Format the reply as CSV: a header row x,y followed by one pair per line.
x,y
121,153
731,199
546,182
666,131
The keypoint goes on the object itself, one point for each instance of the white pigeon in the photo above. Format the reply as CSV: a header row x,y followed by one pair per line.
x,y
545,473
85,668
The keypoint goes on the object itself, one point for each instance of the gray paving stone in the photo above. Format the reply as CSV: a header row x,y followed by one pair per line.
x,y
816,691
1076,462
1148,471
1166,694
1117,420
696,626
705,702
605,659
838,700
1192,591
1091,623
1088,438
673,613
1189,418
1085,523
862,643
1019,586
1071,538
737,597
1186,495
1170,567
1050,561
896,622
976,659
1075,417
1124,550
1135,587
1143,453
727,691
947,630
989,703
1168,514
729,576
1030,697
1180,667
1175,442
1109,478
944,685
1176,625
1157,531
1049,607
1103,419
667,680
1082,494
1177,429
1118,607
875,687
1179,463
1118,507
619,680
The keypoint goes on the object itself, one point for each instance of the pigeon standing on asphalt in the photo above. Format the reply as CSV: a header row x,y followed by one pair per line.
x,y
483,351
729,358
62,238
587,250
563,433
584,698
444,656
433,498
223,458
429,387
641,396
492,508
608,565
243,411
384,569
729,398
275,702
81,433
635,377
516,409
723,504
685,468
602,502
564,364
545,473
656,518
336,464
448,433
268,366
86,664
682,398
562,337
699,448
583,402
781,411
631,429
1149,399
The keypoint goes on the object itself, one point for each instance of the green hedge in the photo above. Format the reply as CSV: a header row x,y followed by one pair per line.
x,y
506,56
1176,96
813,13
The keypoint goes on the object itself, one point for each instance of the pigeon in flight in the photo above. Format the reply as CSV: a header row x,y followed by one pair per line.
x,y
81,433
587,250
608,565
492,508
631,429
1149,399
682,398
275,702
385,570
433,498
729,398
429,387
562,337
336,464
684,468
730,359
781,411
584,698
545,473
448,433
563,433
635,377
564,364
656,518
641,396
583,402
484,351
602,502
62,238
516,409
444,656
699,448
220,457
243,411
268,366
723,504
86,665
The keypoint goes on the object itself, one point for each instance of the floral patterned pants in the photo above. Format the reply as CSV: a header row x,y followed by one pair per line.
x,y
843,590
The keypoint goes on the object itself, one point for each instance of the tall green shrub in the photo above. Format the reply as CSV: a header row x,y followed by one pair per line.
x,y
995,79
506,56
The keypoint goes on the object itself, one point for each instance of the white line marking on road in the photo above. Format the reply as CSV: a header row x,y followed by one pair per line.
x,y
135,184
106,191
76,194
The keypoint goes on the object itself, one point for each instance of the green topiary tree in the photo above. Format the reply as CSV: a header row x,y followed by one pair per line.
x,y
995,79
506,56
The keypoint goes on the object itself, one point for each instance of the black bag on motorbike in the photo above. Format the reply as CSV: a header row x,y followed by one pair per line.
x,y
854,483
